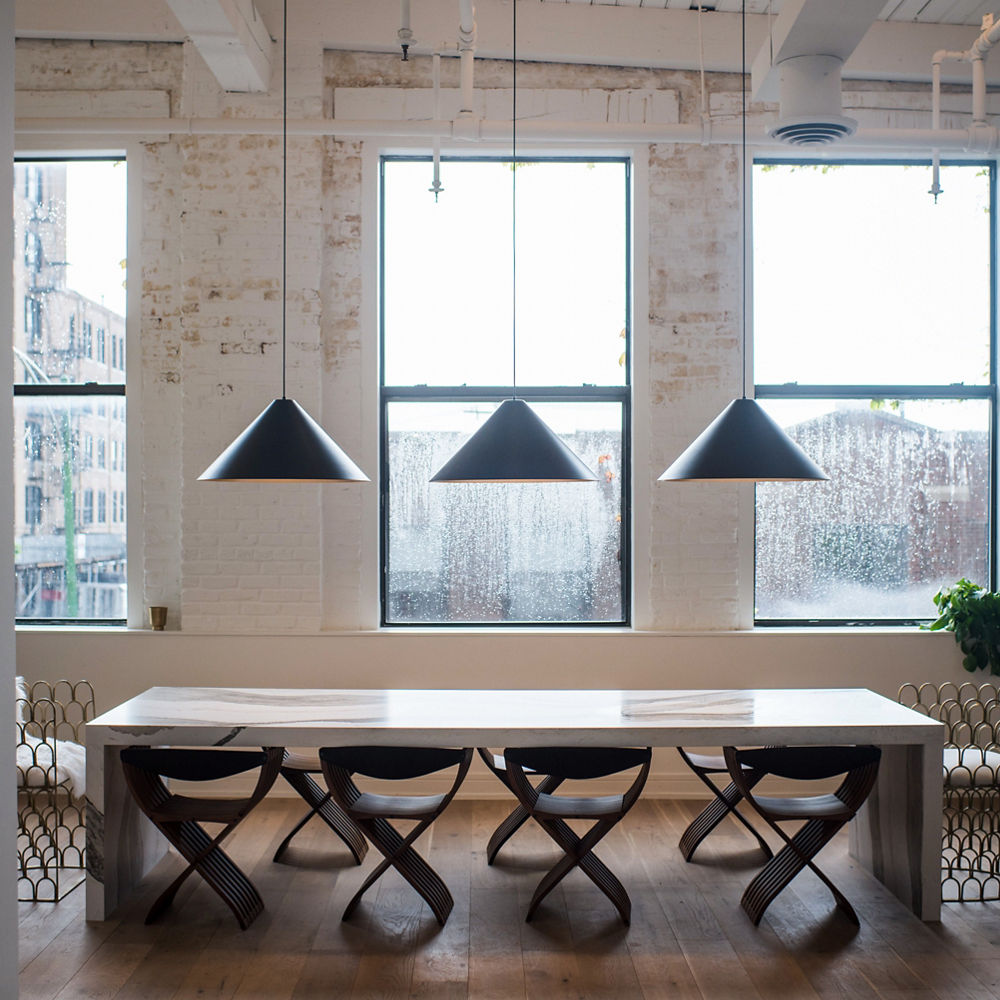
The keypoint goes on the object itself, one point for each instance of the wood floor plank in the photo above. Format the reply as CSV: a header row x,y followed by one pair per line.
x,y
688,939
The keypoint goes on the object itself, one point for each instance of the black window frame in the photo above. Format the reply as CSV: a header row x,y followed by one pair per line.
x,y
34,181
955,391
496,394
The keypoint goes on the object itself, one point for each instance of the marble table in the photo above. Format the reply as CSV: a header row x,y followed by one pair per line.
x,y
897,835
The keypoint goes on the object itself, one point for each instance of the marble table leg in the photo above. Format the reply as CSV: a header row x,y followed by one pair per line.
x,y
122,844
897,834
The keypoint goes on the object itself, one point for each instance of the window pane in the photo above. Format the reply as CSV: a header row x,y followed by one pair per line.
x,y
69,556
502,553
905,512
448,274
860,278
69,284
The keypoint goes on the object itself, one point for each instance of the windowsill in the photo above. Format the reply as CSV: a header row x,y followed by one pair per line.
x,y
460,632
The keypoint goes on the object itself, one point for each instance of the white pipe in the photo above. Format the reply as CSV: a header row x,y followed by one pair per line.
x,y
405,35
984,139
436,187
988,37
467,53
935,124
978,90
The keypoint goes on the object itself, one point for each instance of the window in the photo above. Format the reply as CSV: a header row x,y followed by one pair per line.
x,y
32,322
32,440
873,348
516,553
32,505
70,564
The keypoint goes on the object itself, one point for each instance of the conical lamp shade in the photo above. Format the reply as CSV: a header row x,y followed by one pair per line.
x,y
284,444
514,446
743,444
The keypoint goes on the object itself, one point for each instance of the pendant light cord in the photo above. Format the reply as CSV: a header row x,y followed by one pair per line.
x,y
743,194
284,182
513,199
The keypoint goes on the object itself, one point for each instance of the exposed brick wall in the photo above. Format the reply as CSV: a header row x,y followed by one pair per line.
x,y
249,558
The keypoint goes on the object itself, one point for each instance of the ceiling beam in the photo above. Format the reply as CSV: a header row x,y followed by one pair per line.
x,y
231,37
559,32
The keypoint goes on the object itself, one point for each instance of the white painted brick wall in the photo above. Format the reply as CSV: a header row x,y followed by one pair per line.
x,y
255,558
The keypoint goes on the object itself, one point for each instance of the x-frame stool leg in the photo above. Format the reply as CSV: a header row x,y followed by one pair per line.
x,y
321,804
798,852
517,819
399,853
578,852
206,857
724,802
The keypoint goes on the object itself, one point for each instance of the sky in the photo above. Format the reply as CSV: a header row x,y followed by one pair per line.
x,y
96,230
858,276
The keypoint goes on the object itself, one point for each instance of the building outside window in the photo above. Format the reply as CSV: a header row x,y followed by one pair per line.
x,y
32,505
100,343
504,553
887,383
32,440
70,564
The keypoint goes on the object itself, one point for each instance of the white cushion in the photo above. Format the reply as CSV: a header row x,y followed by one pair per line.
x,y
36,767
22,699
971,767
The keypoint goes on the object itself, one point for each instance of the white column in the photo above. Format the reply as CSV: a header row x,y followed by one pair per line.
x,y
8,792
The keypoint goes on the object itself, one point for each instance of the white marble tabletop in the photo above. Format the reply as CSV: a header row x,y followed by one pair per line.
x,y
466,717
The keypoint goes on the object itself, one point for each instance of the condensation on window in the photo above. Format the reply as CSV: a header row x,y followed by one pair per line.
x,y
905,511
462,553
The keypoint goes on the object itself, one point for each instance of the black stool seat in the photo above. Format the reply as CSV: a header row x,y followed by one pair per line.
x,y
551,811
565,807
372,811
178,817
823,815
397,806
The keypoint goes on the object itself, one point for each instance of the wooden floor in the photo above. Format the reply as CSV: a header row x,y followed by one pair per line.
x,y
688,939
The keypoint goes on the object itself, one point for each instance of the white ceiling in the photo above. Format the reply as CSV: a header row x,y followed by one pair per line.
x,y
895,42
921,11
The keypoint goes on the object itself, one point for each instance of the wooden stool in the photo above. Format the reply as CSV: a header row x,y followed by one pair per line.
x,y
725,802
178,817
496,763
552,811
372,812
824,815
297,769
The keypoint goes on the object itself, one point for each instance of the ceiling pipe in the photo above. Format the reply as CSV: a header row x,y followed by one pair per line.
x,y
976,54
467,54
980,139
405,35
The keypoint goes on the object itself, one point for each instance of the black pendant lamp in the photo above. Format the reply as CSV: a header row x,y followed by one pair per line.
x,y
284,444
514,445
743,443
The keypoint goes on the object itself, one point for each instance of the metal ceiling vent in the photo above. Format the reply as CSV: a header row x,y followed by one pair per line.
x,y
810,109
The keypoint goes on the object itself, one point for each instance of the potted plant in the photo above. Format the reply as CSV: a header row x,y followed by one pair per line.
x,y
973,614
